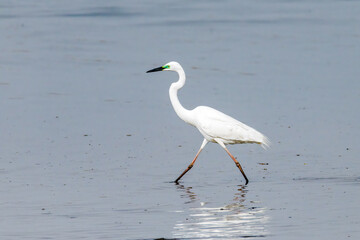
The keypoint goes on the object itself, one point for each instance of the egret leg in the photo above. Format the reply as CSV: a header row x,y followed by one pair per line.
x,y
233,158
192,163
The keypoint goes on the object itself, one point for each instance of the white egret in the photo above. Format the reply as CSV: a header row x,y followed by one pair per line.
x,y
214,125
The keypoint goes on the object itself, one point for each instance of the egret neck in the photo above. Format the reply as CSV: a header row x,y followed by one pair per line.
x,y
182,112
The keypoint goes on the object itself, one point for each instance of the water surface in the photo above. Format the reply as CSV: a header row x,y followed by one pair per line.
x,y
90,143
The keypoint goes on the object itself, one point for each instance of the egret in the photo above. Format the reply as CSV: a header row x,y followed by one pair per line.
x,y
214,125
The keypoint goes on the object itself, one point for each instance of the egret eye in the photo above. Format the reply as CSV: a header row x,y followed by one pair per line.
x,y
166,67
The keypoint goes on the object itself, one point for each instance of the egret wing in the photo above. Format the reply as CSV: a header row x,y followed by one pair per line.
x,y
216,124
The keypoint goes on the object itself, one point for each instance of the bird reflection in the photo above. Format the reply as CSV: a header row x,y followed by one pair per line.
x,y
187,193
238,219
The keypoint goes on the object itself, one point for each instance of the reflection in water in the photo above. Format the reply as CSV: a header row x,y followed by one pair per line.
x,y
187,193
233,221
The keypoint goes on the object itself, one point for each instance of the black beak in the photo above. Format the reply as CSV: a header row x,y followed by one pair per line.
x,y
155,70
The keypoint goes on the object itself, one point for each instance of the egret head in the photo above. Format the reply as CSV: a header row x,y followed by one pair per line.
x,y
170,66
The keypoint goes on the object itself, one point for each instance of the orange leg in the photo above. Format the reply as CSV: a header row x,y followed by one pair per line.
x,y
238,165
192,163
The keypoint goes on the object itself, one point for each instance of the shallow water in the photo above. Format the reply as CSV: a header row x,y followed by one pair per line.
x,y
90,143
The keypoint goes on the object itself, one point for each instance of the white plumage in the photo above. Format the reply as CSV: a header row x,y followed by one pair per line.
x,y
214,125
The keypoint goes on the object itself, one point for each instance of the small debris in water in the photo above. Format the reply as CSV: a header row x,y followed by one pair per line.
x,y
179,146
165,239
298,154
128,135
85,135
347,149
261,163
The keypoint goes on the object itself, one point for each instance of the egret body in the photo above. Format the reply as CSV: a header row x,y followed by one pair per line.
x,y
214,125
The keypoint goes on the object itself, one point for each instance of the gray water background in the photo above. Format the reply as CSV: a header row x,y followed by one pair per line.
x,y
90,142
